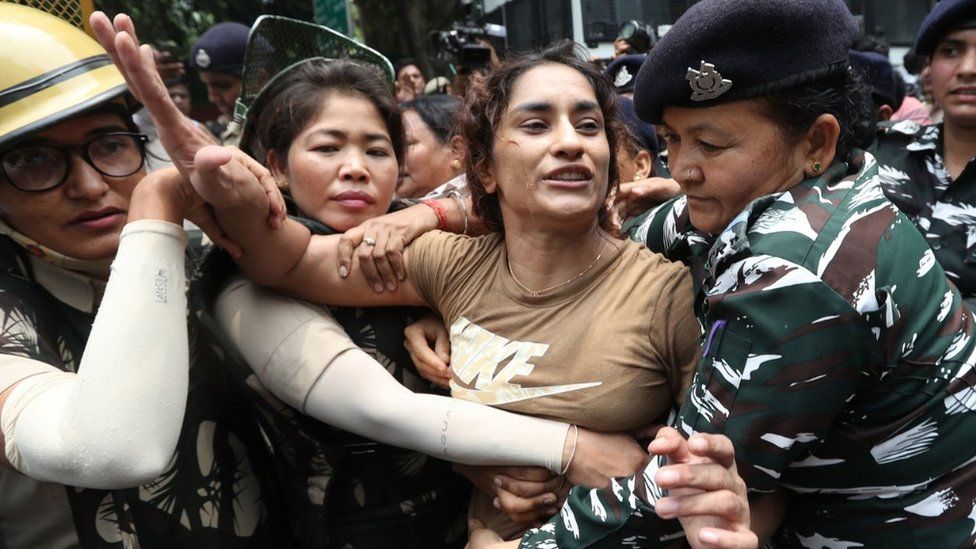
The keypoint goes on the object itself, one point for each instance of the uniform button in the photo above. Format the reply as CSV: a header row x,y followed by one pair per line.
x,y
936,243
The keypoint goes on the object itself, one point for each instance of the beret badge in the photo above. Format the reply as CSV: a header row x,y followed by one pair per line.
x,y
202,58
706,83
623,77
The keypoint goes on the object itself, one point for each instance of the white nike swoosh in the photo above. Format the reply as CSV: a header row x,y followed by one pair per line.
x,y
514,394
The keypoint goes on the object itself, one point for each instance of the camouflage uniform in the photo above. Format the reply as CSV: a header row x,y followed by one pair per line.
x,y
914,177
216,491
837,358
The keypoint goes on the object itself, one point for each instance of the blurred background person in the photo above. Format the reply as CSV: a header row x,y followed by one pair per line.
x,y
410,80
434,149
218,57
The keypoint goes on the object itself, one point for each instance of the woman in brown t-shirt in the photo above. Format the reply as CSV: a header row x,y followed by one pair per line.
x,y
550,314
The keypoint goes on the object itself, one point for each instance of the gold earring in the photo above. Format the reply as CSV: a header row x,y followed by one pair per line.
x,y
816,167
283,184
456,164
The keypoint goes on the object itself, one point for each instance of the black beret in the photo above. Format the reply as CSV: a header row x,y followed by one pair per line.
x,y
220,49
945,17
726,50
875,70
644,132
623,71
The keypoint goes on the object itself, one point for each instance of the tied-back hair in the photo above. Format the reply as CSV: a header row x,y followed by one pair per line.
x,y
439,112
296,98
842,95
487,103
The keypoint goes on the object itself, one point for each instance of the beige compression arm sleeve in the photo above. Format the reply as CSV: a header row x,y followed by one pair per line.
x,y
301,354
116,423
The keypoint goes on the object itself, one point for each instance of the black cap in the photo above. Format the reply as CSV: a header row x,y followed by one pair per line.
x,y
875,70
945,17
726,50
644,132
623,71
220,49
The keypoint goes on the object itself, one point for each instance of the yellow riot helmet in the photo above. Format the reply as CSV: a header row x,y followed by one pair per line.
x,y
51,71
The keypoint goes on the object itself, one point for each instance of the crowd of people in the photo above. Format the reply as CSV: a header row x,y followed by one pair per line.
x,y
715,293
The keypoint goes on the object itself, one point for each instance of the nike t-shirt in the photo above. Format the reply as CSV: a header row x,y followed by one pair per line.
x,y
610,351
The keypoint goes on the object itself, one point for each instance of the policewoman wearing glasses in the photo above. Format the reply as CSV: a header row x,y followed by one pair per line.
x,y
95,388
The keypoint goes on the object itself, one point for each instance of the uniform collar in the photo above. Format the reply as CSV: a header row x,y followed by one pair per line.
x,y
76,282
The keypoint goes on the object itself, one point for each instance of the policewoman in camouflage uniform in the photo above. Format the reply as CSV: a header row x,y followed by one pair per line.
x,y
928,171
836,356
65,114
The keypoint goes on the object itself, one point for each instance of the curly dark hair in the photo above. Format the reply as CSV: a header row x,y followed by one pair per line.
x,y
486,104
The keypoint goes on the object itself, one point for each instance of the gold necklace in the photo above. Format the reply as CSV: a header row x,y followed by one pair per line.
x,y
537,293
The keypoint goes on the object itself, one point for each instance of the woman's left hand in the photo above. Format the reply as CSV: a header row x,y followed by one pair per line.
x,y
379,242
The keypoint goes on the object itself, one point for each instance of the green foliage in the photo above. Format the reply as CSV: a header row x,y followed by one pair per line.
x,y
179,23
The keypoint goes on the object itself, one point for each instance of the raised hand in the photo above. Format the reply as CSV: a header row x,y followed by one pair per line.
x,y
181,138
179,135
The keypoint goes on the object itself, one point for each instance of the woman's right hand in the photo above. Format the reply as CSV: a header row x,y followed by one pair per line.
x,y
429,344
379,242
602,456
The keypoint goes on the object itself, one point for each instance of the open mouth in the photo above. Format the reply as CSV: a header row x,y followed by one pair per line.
x,y
570,175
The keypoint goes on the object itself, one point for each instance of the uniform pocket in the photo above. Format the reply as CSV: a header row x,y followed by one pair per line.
x,y
716,385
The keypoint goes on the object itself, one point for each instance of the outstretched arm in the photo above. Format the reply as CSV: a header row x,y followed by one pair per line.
x,y
303,357
288,258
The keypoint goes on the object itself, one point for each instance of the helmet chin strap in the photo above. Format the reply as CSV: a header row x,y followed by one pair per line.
x,y
97,269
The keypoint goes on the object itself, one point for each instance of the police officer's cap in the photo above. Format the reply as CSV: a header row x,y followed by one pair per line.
x,y
623,71
220,49
644,132
875,70
945,17
725,50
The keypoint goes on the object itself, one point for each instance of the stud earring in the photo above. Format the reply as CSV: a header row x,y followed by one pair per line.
x,y
816,167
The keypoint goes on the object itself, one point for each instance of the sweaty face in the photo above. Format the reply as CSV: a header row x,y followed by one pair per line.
x,y
953,76
410,77
83,217
726,156
222,90
550,156
342,168
428,161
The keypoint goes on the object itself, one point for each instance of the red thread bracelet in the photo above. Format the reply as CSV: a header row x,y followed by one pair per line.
x,y
440,211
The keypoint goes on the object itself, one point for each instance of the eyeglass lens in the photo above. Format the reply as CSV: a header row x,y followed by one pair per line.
x,y
39,167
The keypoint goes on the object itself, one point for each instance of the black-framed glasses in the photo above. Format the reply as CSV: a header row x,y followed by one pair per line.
x,y
36,168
